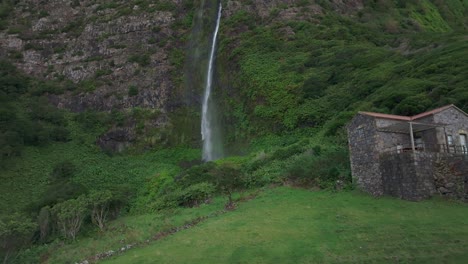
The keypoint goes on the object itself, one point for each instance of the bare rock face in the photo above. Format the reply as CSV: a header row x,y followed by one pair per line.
x,y
116,55
276,10
347,6
103,49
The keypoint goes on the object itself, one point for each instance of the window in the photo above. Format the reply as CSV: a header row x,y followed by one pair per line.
x,y
449,140
463,145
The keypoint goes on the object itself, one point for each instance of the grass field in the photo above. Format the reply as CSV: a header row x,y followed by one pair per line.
x,y
286,225
124,231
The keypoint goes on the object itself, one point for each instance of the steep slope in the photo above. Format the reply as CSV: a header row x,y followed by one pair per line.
x,y
82,80
107,55
290,65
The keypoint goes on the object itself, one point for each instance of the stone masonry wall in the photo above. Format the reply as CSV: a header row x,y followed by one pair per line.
x,y
451,176
407,175
458,124
363,154
420,175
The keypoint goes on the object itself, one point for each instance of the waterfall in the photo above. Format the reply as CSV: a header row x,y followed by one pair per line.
x,y
207,126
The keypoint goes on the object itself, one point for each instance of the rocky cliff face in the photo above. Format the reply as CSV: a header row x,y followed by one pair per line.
x,y
104,48
118,55
112,55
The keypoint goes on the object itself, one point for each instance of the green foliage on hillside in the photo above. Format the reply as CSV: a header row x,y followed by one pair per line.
x,y
26,117
322,72
288,88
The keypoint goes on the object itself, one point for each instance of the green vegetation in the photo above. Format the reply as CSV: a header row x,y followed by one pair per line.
x,y
288,88
324,72
132,90
142,59
298,226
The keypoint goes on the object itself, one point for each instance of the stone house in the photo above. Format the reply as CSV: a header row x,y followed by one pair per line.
x,y
411,157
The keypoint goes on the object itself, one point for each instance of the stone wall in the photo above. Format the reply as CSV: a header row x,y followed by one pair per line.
x,y
378,170
364,156
420,175
457,124
408,175
451,176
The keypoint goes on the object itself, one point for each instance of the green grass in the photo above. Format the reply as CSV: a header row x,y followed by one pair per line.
x,y
124,231
287,225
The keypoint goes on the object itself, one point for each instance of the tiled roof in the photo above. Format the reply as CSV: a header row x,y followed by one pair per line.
x,y
410,118
386,116
437,110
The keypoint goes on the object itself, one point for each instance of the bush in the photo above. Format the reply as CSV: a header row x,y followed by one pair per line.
x,y
132,91
197,174
100,202
321,171
287,152
169,200
60,134
60,189
314,87
70,215
44,220
229,179
143,59
63,171
16,231
197,194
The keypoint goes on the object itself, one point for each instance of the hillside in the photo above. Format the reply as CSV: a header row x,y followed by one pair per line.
x,y
105,97
320,228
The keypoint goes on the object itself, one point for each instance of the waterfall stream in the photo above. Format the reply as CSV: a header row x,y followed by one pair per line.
x,y
207,129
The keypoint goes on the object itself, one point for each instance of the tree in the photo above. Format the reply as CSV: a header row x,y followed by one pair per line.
x,y
70,215
229,180
16,231
44,219
99,202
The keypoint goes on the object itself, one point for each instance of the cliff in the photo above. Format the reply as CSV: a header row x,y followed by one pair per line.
x,y
121,55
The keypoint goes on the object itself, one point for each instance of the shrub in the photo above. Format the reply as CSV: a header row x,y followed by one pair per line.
x,y
314,87
60,134
70,215
143,59
229,179
170,200
63,171
44,220
58,191
132,90
286,152
321,171
16,231
99,202
197,174
196,194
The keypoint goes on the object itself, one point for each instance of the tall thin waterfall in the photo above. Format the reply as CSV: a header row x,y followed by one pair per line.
x,y
207,128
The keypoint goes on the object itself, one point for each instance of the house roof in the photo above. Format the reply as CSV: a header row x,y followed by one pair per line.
x,y
386,116
411,118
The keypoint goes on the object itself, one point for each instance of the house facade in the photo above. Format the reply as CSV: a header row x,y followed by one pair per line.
x,y
411,157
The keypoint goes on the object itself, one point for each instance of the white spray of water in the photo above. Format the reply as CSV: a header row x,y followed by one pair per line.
x,y
206,123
